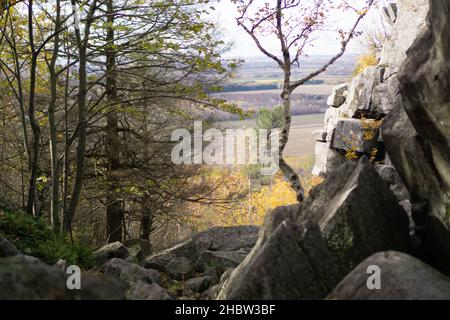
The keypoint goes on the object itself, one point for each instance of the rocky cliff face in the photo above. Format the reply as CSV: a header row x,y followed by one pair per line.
x,y
397,113
422,119
355,107
385,153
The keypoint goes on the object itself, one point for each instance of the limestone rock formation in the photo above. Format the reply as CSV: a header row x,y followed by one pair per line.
x,y
357,213
371,95
338,96
292,263
425,91
361,99
326,159
402,277
401,203
303,251
409,92
320,135
356,135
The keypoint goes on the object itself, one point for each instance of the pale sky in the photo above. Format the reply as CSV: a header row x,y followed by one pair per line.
x,y
326,43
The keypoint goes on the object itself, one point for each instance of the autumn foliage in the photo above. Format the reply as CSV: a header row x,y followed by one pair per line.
x,y
256,197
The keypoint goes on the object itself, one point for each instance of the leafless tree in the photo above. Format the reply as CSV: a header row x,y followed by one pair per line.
x,y
294,23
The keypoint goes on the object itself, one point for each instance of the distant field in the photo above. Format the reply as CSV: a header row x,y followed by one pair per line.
x,y
310,99
264,69
319,89
257,79
301,142
331,80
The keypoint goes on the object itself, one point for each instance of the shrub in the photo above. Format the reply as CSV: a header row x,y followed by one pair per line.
x,y
270,118
34,237
364,61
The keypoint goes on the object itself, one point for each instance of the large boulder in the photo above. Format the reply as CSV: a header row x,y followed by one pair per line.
x,y
199,284
139,249
226,238
130,273
201,245
290,262
109,251
402,277
357,213
23,277
275,217
220,261
180,268
159,261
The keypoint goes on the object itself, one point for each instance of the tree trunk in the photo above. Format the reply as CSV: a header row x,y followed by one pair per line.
x,y
81,148
288,172
66,163
35,130
114,211
146,219
54,183
82,114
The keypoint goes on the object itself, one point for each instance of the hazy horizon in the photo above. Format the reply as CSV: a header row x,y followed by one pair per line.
x,y
225,14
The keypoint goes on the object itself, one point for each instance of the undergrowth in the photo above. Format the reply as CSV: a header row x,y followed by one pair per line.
x,y
32,236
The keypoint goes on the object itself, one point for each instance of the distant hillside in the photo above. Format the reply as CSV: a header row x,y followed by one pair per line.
x,y
264,69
